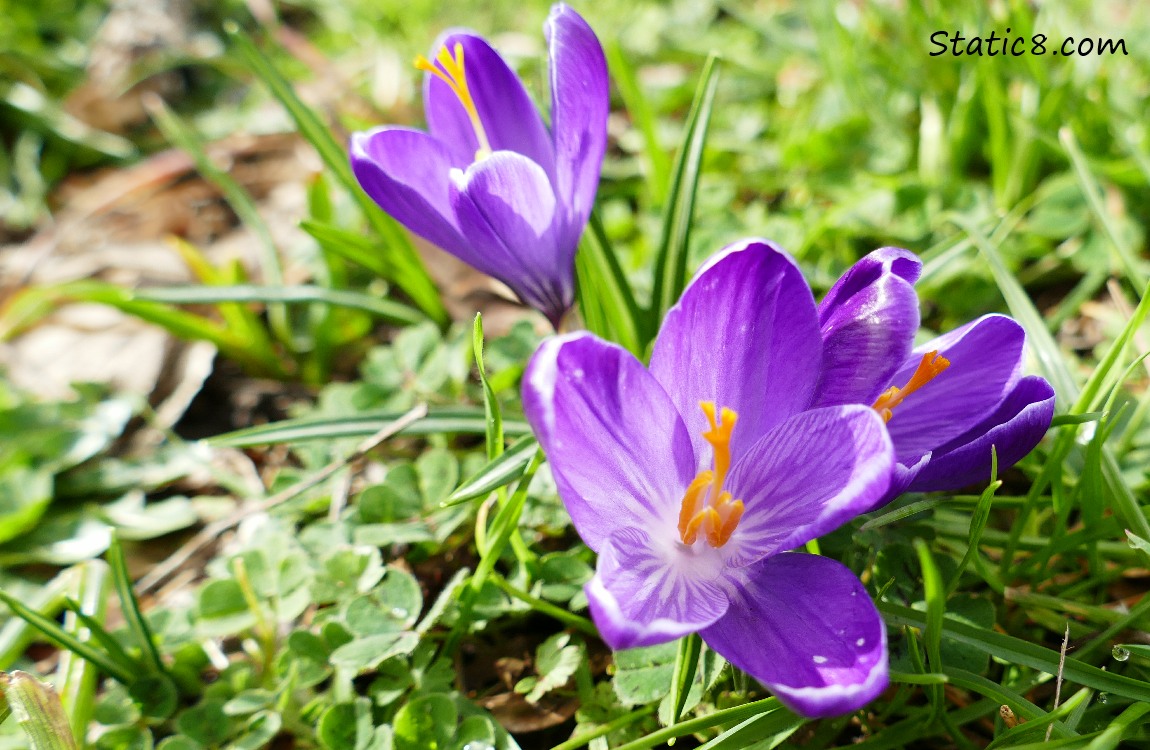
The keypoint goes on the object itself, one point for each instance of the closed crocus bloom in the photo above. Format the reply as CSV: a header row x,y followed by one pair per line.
x,y
692,479
947,402
489,182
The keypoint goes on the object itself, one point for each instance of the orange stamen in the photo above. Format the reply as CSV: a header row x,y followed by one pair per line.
x,y
450,71
706,506
929,368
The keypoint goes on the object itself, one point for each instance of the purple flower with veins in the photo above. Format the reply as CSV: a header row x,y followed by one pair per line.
x,y
692,479
490,183
946,402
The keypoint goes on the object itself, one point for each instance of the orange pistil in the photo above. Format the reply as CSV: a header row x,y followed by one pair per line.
x,y
929,368
707,507
450,71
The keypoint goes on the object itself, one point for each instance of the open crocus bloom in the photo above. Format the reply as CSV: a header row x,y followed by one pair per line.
x,y
490,183
946,402
693,478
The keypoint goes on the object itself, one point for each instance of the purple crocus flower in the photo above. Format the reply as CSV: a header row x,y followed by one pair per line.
x,y
490,183
692,479
946,402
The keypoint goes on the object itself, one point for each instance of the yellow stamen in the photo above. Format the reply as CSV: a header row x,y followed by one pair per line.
x,y
929,368
450,71
707,507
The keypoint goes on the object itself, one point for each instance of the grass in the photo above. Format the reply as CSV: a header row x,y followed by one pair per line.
x,y
428,594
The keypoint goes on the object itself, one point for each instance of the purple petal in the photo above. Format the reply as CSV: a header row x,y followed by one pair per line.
x,y
406,173
580,100
649,591
1013,429
869,319
745,334
900,480
806,477
509,117
505,206
805,627
985,363
620,453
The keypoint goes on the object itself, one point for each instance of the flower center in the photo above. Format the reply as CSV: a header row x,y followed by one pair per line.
x,y
929,368
707,507
450,70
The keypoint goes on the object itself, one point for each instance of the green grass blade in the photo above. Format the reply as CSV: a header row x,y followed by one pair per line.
x,y
130,607
977,522
38,711
99,634
385,309
764,731
505,524
674,245
1093,192
605,297
457,420
185,138
499,472
734,715
51,629
1038,338
1055,369
935,593
1112,735
75,676
492,413
1004,696
686,662
564,616
1022,652
407,270
35,302
635,102
349,245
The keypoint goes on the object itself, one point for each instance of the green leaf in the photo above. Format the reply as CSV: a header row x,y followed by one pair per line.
x,y
260,730
222,610
674,244
346,726
438,471
426,723
644,675
346,572
556,661
366,653
25,495
156,696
